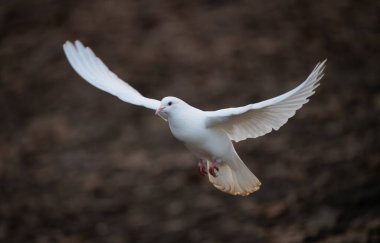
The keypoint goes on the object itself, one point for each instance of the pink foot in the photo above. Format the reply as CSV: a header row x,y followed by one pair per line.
x,y
202,167
213,168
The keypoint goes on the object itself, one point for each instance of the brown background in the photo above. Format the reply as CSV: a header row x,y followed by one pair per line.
x,y
78,165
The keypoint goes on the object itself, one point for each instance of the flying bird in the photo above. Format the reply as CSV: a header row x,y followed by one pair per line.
x,y
207,134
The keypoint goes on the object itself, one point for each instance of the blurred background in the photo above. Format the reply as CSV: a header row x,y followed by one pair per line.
x,y
79,165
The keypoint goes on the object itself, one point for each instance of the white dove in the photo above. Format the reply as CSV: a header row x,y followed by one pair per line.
x,y
207,134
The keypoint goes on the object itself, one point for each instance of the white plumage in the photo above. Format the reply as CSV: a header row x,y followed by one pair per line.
x,y
207,134
258,119
93,70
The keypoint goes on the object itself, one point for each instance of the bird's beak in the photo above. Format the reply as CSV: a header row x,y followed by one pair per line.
x,y
158,113
160,109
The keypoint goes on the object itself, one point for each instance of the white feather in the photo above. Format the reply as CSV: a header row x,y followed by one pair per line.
x,y
94,71
257,119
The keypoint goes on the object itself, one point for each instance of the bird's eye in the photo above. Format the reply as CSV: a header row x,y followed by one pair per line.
x,y
170,103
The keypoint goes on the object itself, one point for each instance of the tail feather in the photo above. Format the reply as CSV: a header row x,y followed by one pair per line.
x,y
235,178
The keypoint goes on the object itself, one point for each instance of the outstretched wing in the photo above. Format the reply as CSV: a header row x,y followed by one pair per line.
x,y
257,119
94,71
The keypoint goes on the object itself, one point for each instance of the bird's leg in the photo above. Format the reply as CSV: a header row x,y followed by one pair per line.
x,y
213,168
202,167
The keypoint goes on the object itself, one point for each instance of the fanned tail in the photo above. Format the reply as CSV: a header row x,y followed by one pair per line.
x,y
235,178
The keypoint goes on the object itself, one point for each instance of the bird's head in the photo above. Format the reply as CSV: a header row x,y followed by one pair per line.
x,y
168,106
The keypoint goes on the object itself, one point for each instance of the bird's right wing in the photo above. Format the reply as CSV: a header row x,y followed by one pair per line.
x,y
257,119
94,71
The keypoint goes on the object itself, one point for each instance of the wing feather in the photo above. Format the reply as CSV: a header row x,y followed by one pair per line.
x,y
93,70
257,119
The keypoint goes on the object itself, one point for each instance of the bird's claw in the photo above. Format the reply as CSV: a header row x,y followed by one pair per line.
x,y
213,168
202,167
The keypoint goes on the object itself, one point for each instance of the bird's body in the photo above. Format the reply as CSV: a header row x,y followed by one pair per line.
x,y
205,143
188,126
207,134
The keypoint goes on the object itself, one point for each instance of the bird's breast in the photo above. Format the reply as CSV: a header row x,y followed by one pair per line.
x,y
203,142
187,132
187,129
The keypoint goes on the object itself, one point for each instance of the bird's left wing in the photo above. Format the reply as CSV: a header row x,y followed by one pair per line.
x,y
257,119
94,71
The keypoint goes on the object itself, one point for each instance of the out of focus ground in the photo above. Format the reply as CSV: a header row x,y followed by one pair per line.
x,y
78,165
